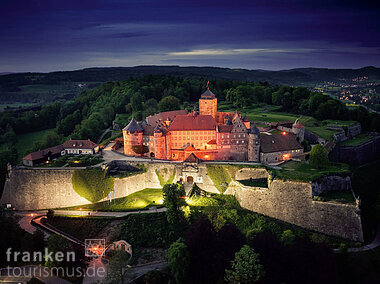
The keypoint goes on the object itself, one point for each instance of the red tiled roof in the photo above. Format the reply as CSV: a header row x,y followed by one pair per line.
x,y
278,142
154,120
189,148
43,153
220,116
225,128
189,122
192,158
79,144
211,142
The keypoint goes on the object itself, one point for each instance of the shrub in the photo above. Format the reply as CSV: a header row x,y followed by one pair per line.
x,y
319,157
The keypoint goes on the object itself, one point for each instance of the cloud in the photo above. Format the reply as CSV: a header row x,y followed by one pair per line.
x,y
211,52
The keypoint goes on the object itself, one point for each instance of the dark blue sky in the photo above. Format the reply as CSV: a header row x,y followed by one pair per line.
x,y
39,35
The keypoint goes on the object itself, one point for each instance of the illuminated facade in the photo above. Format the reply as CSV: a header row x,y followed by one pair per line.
x,y
207,134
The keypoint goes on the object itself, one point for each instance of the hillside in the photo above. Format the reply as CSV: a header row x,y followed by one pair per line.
x,y
40,88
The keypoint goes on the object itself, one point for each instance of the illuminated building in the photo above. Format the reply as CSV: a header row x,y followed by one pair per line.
x,y
207,135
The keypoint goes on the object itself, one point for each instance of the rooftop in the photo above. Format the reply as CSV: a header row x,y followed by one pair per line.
x,y
278,142
79,144
133,126
189,122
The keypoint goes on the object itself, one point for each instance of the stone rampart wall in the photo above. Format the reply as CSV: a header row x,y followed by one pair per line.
x,y
291,202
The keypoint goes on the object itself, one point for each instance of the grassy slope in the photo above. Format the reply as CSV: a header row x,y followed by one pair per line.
x,y
302,171
26,141
361,138
135,201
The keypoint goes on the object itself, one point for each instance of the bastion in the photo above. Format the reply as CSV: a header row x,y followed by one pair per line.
x,y
289,201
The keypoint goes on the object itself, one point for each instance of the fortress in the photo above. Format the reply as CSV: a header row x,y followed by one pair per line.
x,y
209,135
289,201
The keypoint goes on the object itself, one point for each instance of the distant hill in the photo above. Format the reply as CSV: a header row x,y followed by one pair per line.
x,y
43,87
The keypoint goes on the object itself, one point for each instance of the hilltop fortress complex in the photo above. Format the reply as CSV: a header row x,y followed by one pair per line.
x,y
209,135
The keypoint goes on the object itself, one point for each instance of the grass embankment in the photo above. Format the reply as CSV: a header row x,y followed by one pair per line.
x,y
219,176
92,183
135,201
360,139
80,227
162,179
302,171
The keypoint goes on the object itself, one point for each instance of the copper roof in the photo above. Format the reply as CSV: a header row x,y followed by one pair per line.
x,y
278,142
154,120
79,144
133,126
189,122
44,153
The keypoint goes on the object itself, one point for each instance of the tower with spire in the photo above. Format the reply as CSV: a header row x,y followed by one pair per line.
x,y
208,103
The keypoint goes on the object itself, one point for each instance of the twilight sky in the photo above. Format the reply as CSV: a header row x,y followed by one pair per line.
x,y
51,35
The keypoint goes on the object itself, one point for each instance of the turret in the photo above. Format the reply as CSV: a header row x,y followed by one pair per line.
x,y
246,122
132,135
254,144
299,130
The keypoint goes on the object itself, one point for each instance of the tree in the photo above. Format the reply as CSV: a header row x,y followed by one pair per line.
x,y
200,240
179,260
172,195
118,270
229,241
168,103
246,267
50,215
319,157
287,238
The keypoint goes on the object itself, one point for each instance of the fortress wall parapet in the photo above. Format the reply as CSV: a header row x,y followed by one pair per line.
x,y
291,202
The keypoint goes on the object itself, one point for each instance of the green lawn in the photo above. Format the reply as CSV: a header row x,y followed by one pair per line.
x,y
361,138
302,171
26,141
135,201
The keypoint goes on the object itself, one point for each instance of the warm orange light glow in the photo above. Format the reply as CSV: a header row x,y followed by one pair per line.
x,y
284,133
76,162
286,157
80,209
32,214
207,156
47,162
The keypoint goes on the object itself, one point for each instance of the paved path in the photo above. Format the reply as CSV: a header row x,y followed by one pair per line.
x,y
138,271
103,134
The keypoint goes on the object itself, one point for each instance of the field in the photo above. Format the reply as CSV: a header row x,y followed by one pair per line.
x,y
269,113
302,171
135,201
26,141
361,138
